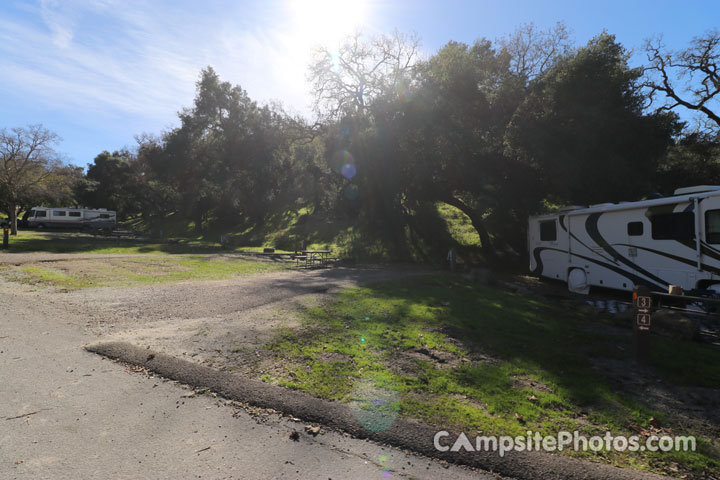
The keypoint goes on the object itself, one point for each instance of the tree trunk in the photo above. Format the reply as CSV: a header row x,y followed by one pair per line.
x,y
199,222
479,226
13,219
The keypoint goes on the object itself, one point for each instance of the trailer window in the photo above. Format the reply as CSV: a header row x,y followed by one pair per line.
x,y
40,213
58,213
673,226
712,226
548,231
73,214
635,229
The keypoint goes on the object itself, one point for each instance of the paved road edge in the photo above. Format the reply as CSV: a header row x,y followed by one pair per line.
x,y
402,434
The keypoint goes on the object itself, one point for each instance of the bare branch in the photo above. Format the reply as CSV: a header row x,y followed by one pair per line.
x,y
688,78
361,69
533,52
27,159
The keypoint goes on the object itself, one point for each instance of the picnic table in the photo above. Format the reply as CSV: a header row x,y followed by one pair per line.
x,y
314,257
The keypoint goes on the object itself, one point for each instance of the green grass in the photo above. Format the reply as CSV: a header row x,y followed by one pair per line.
x,y
76,274
495,344
283,233
683,363
75,242
287,230
47,276
458,225
687,363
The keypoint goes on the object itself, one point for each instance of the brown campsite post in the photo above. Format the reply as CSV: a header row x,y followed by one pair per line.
x,y
642,301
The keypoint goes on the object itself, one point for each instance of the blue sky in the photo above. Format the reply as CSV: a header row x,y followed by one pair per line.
x,y
98,72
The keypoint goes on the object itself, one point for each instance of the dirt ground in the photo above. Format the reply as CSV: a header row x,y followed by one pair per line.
x,y
221,323
224,324
68,413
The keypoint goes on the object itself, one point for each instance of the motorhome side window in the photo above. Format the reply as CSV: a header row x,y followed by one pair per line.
x,y
635,229
58,213
40,213
548,231
73,214
712,226
673,226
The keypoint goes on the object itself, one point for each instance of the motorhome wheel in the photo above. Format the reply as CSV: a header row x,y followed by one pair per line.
x,y
577,281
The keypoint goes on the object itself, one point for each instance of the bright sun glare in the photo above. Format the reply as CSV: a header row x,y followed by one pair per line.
x,y
328,21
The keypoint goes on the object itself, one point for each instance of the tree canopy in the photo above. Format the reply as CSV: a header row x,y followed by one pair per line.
x,y
584,121
493,129
31,169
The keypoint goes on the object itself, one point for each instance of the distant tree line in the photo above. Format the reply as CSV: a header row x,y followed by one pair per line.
x,y
32,172
499,130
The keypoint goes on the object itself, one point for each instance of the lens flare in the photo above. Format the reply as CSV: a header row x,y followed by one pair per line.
x,y
351,192
402,90
335,59
340,160
348,171
375,407
386,470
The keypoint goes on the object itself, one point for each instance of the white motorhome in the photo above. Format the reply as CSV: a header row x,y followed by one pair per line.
x,y
657,243
81,218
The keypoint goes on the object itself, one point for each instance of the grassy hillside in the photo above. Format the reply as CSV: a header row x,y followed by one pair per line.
x,y
287,230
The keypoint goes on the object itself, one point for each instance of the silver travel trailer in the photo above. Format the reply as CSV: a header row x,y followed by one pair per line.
x,y
657,243
79,218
